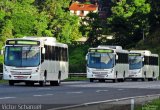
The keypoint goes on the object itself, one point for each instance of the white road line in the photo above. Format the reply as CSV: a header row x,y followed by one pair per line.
x,y
48,94
78,92
120,89
43,88
37,95
101,90
1,98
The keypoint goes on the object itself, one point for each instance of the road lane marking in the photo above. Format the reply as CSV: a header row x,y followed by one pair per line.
x,y
78,92
120,89
1,98
38,95
101,90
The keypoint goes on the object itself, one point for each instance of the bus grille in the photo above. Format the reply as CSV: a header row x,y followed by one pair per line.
x,y
100,73
20,73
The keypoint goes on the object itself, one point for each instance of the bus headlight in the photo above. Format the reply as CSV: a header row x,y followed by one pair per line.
x,y
5,69
88,70
37,69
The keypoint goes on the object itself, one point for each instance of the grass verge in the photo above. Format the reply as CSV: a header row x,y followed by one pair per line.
x,y
153,105
3,81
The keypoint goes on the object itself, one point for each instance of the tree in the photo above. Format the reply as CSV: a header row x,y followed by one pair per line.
x,y
154,17
94,28
63,26
129,20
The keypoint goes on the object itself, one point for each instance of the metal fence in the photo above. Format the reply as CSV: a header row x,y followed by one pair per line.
x,y
129,103
77,75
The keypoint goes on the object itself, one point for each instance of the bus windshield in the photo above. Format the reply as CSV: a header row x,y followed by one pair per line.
x,y
22,56
101,60
135,62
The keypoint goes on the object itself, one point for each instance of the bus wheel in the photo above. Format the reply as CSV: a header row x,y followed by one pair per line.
x,y
121,80
101,80
55,83
150,79
115,80
41,83
144,79
11,83
91,80
29,83
134,79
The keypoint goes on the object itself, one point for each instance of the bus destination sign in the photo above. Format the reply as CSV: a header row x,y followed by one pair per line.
x,y
22,42
101,50
134,54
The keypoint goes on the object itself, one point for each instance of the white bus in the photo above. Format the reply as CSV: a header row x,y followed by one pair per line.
x,y
35,59
143,65
107,63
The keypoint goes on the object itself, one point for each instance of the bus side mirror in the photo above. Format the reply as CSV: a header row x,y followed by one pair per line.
x,y
116,57
1,52
43,50
86,57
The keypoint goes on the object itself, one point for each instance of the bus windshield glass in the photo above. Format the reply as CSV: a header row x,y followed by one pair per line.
x,y
22,56
101,60
135,62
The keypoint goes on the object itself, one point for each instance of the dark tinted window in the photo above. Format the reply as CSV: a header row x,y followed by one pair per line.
x,y
122,58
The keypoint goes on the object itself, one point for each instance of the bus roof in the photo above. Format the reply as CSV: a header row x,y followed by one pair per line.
x,y
143,52
155,55
115,48
110,47
43,40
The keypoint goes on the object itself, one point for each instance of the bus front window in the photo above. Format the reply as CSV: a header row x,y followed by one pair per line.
x,y
135,62
26,56
101,60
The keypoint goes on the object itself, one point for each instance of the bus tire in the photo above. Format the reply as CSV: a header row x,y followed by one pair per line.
x,y
11,83
134,79
122,80
91,79
144,79
41,83
150,79
29,83
115,80
101,80
55,83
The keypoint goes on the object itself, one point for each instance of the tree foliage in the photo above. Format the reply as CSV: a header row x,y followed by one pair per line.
x,y
129,20
20,18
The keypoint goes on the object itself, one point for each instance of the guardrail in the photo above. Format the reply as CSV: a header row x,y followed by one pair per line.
x,y
77,75
129,103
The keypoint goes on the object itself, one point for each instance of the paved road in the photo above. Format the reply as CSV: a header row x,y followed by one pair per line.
x,y
71,93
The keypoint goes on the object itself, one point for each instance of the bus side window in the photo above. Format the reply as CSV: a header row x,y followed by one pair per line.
x,y
115,60
42,56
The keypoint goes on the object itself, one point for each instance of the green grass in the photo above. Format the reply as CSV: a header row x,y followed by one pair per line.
x,y
153,105
3,81
76,79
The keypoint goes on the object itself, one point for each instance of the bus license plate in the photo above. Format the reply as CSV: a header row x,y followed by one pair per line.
x,y
20,77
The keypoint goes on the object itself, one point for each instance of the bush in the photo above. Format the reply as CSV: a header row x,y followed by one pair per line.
x,y
77,53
